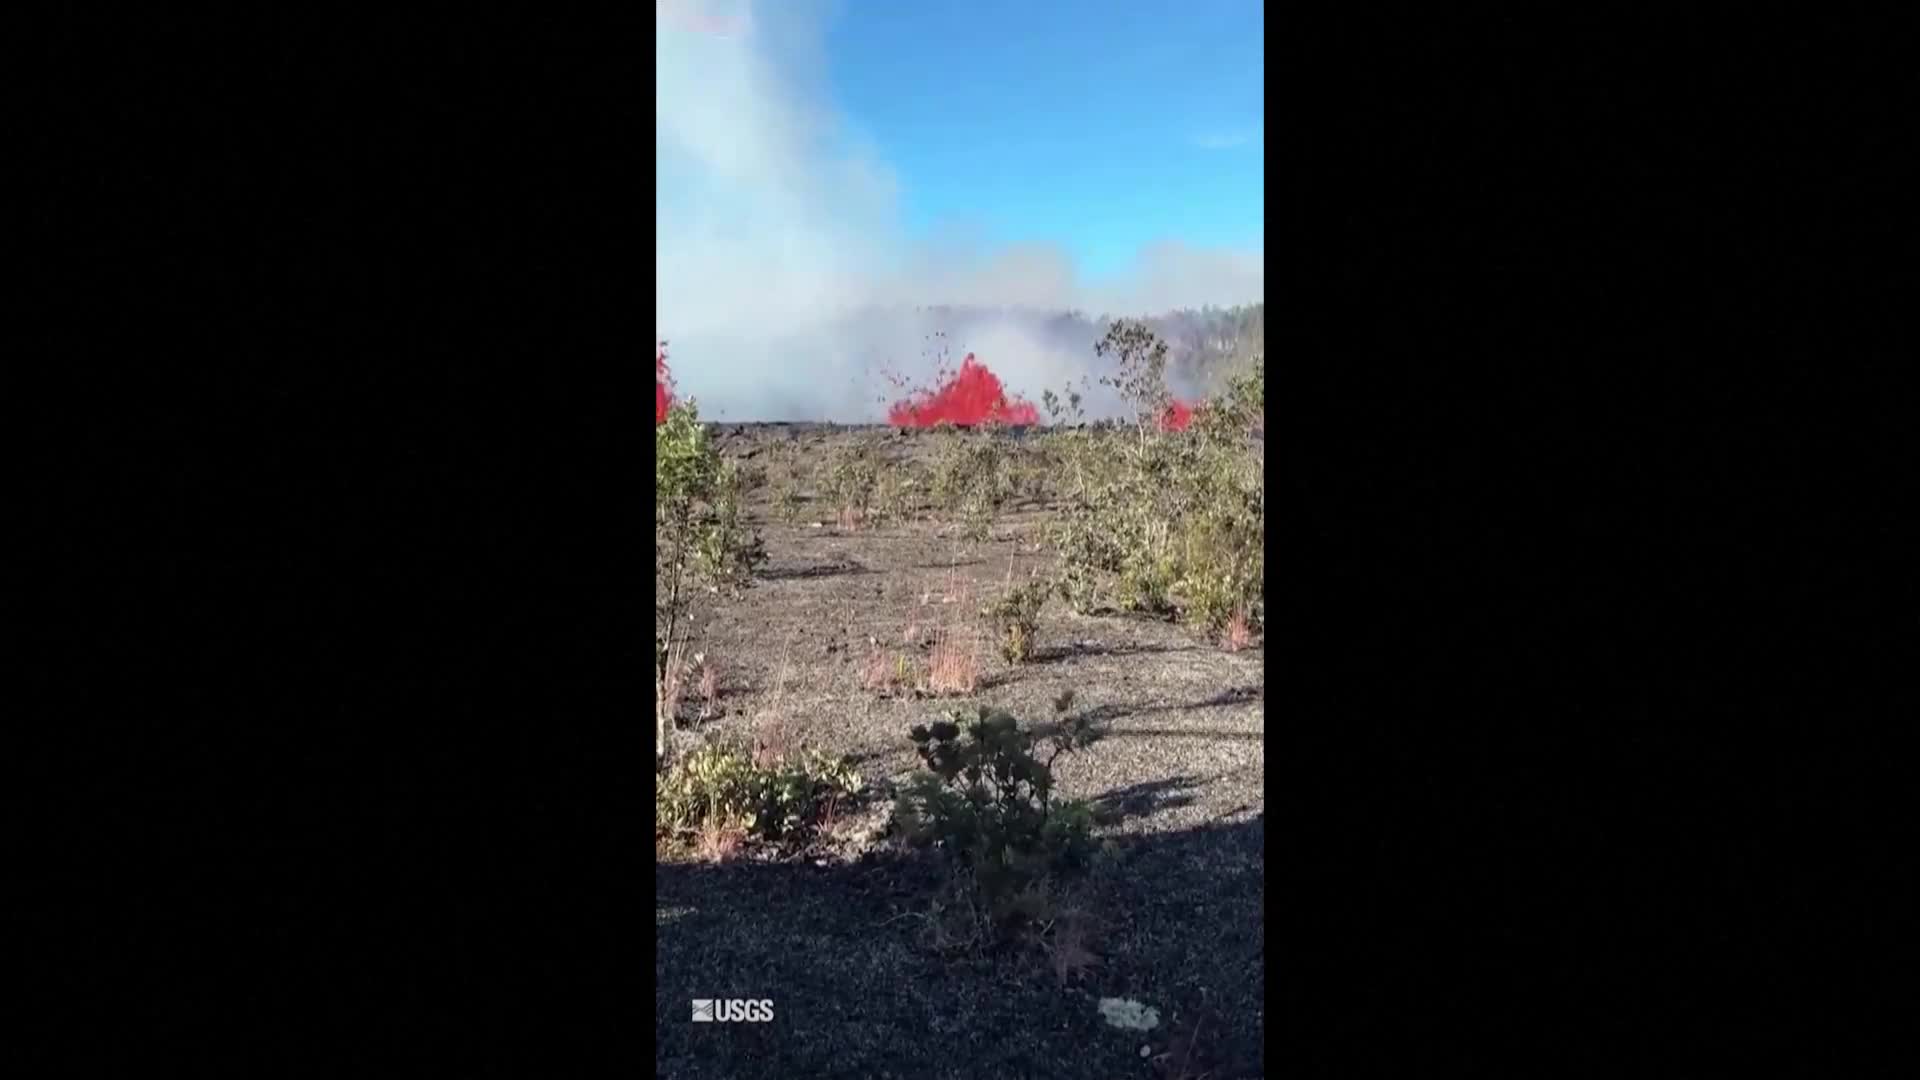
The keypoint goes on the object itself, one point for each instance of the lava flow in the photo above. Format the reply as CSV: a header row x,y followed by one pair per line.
x,y
973,396
662,380
1178,416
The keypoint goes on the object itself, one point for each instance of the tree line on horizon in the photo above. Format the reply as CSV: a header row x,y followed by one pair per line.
x,y
1205,345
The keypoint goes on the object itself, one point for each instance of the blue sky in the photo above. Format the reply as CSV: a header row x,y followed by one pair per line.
x,y
821,163
1103,126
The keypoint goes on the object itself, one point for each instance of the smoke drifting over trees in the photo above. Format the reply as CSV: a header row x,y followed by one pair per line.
x,y
789,287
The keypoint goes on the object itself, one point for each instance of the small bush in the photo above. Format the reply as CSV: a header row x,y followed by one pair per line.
x,y
717,789
987,800
1015,618
972,479
1088,558
852,475
1035,476
895,493
786,498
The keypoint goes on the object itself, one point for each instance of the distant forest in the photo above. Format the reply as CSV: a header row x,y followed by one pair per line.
x,y
1204,345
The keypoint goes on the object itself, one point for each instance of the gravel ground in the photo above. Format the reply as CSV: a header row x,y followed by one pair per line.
x,y
837,938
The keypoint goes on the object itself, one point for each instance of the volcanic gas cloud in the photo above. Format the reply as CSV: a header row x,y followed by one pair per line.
x,y
973,396
662,380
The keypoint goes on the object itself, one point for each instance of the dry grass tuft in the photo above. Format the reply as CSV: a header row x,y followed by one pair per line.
x,y
709,686
675,687
1238,634
830,817
775,739
716,842
886,672
954,666
775,735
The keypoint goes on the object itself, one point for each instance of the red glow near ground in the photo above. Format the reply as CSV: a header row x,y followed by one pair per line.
x,y
662,381
973,396
1179,415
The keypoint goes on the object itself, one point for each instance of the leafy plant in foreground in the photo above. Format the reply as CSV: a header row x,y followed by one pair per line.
x,y
722,786
988,800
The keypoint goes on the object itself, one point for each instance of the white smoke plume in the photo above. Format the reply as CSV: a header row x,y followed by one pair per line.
x,y
787,285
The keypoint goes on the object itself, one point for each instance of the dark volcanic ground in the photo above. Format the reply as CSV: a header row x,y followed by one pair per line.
x,y
838,940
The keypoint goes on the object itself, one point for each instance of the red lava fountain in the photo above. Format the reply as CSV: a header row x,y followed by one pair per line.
x,y
1178,416
973,396
662,380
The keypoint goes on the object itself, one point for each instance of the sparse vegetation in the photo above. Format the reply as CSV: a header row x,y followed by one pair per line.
x,y
988,801
719,791
972,479
953,666
703,548
852,474
942,586
787,500
1167,522
965,707
895,493
887,672
1015,618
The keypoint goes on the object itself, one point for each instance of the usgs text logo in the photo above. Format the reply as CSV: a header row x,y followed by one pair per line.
x,y
728,1010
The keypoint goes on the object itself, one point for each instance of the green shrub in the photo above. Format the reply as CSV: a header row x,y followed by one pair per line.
x,y
1115,541
987,800
1015,618
852,473
1169,523
1089,555
787,500
723,785
703,547
1220,564
895,493
972,479
1222,543
1068,451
